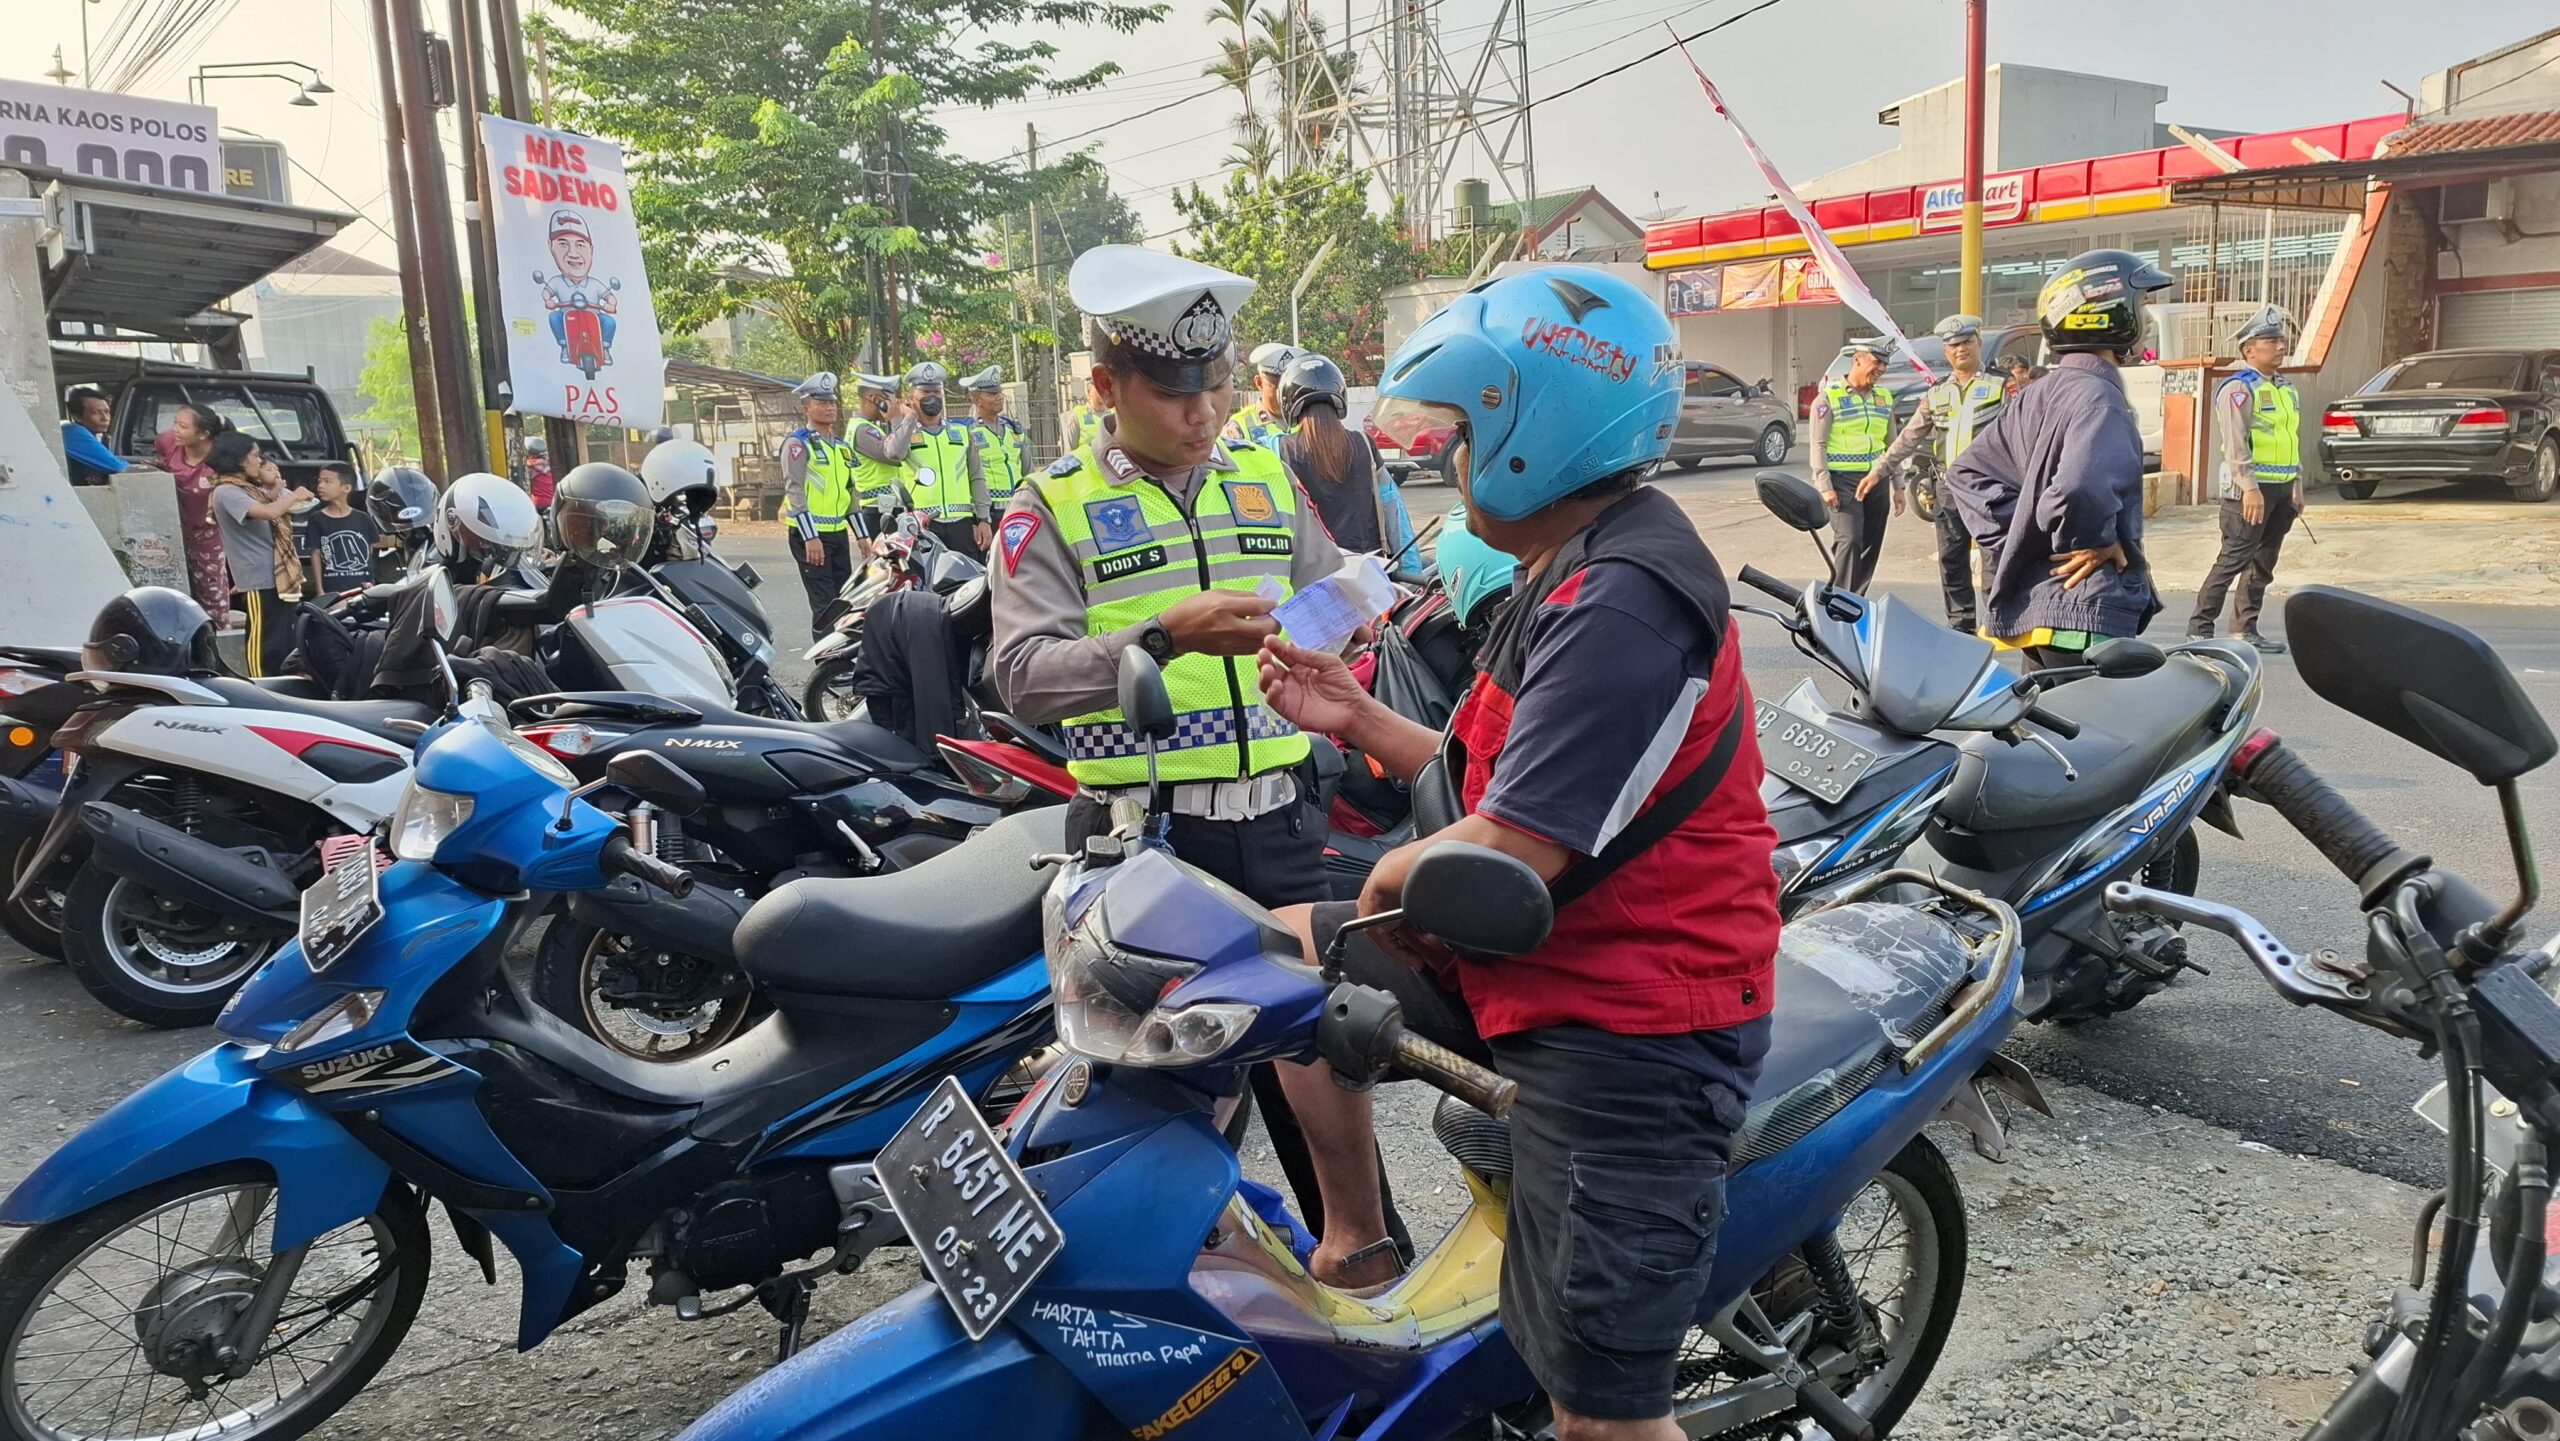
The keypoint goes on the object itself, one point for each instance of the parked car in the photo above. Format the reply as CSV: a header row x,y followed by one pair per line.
x,y
1721,416
1428,460
289,416
2452,415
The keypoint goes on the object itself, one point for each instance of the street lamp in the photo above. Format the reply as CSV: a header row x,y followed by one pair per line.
x,y
262,70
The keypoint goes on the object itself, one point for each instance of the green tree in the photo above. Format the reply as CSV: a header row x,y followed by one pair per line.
x,y
1271,232
390,408
784,152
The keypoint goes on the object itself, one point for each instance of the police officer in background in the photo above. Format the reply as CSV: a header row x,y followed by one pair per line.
x,y
1153,534
1004,447
2259,416
1952,411
818,493
1083,420
1260,419
946,482
1851,418
880,443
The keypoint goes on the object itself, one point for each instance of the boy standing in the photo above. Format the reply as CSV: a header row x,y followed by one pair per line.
x,y
338,539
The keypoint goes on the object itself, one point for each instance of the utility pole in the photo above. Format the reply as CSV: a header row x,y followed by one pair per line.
x,y
1014,288
1969,262
471,94
440,267
1045,408
404,235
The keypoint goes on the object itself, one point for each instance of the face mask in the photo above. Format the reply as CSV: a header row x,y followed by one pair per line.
x,y
929,403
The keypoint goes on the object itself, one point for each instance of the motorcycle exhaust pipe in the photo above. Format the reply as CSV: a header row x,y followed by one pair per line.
x,y
167,860
704,923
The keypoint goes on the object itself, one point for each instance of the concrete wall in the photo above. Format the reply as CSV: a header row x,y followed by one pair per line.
x,y
2483,249
2524,76
2031,116
1407,306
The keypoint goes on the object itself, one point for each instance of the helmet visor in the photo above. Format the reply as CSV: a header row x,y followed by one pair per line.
x,y
1417,425
605,533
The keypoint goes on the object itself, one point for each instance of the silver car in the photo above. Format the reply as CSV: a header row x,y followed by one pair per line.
x,y
1720,416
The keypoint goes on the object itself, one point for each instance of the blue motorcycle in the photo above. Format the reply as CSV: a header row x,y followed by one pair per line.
x,y
1098,1268
238,1247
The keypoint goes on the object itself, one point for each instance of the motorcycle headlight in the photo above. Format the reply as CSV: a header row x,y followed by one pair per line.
x,y
425,818
1106,999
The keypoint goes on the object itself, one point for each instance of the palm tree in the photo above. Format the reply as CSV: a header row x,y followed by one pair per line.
x,y
1255,154
1239,58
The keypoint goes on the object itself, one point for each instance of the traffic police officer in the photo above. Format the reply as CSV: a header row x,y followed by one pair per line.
x,y
1003,444
818,492
946,481
1851,418
1153,534
1260,419
1952,410
1083,418
2259,414
880,444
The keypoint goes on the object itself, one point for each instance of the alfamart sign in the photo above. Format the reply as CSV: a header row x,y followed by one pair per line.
x,y
107,136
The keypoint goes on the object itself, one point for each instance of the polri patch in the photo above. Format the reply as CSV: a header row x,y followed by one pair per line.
x,y
1015,534
1275,544
1251,502
1118,522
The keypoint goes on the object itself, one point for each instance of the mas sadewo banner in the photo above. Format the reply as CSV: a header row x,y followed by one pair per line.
x,y
582,334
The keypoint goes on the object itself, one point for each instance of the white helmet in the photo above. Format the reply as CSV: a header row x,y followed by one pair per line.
x,y
484,524
680,471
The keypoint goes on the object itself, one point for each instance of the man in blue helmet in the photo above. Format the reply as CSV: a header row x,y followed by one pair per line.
x,y
1604,742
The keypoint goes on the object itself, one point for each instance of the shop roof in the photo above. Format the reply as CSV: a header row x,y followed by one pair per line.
x,y
2489,132
2422,155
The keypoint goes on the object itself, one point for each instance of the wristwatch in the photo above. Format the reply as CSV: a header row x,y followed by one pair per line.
x,y
1156,641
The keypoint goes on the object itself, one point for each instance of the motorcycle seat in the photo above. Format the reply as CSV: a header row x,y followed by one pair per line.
x,y
64,658
876,747
2129,731
382,718
1039,740
925,933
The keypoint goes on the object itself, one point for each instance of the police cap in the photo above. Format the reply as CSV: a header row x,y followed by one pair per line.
x,y
1173,318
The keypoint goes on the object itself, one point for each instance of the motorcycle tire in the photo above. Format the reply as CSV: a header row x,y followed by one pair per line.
x,y
105,964
36,921
50,1254
1927,497
564,984
829,695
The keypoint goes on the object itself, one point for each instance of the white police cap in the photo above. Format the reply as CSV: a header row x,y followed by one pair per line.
x,y
1272,357
821,386
1175,317
927,372
887,384
991,378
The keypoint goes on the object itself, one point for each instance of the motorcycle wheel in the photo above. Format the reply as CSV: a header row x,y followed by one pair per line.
x,y
36,921
830,695
1926,499
148,959
135,1288
575,962
1903,1238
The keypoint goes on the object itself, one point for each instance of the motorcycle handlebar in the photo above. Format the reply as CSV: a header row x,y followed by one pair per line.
x,y
1430,1061
2062,726
1759,579
620,859
2361,850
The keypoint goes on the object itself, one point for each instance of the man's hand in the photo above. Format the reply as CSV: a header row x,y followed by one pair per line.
x,y
1900,499
983,533
812,552
1313,689
2301,499
2253,506
2075,566
1220,622
1830,497
1867,483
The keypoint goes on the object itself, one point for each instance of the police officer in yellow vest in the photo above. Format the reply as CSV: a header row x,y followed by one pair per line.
x,y
2259,416
880,444
1155,534
1084,420
818,492
1003,445
1952,411
1259,419
946,479
1851,418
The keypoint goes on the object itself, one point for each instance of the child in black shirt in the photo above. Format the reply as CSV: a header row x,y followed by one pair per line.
x,y
339,539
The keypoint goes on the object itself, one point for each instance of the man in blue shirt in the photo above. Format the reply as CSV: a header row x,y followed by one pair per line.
x,y
86,415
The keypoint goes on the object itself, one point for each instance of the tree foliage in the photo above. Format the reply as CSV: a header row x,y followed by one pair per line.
x,y
1270,233
390,407
781,149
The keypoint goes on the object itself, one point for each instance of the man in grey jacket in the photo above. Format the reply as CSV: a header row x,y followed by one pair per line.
x,y
2052,489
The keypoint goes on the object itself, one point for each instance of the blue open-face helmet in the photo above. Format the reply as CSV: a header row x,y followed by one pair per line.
x,y
1552,379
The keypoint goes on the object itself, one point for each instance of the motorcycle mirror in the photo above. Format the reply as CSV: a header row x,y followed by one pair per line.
x,y
2422,678
655,779
2125,658
1478,899
1792,501
1143,700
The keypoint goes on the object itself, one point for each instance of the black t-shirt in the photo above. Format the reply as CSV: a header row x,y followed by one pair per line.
x,y
345,543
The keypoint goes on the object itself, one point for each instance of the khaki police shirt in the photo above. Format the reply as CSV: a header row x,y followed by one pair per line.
x,y
1044,664
977,465
1935,404
889,447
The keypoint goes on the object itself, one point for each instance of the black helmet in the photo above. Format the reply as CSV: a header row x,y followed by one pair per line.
x,y
402,500
602,515
152,630
2096,302
1311,380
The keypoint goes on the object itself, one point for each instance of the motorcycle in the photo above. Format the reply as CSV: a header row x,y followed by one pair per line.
x,y
35,698
2066,778
259,1213
1095,1266
719,599
2475,1355
909,558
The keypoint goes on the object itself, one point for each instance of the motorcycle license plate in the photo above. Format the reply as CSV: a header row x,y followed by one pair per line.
x,y
1807,755
983,1232
341,906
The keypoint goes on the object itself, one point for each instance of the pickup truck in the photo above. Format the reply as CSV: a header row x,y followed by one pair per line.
x,y
289,416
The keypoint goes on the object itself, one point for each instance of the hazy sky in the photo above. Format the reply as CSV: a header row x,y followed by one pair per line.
x,y
1639,136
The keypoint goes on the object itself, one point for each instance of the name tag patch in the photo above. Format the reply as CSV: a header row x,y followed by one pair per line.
x,y
1128,562
1252,544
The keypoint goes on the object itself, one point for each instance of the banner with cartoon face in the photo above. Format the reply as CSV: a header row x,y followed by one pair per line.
x,y
582,335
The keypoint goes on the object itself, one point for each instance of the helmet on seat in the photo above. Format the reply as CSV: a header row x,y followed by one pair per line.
x,y
1556,378
603,515
1311,380
152,630
2096,302
680,472
484,524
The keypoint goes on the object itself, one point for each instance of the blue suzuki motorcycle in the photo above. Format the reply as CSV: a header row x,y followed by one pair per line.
x,y
1097,1267
238,1247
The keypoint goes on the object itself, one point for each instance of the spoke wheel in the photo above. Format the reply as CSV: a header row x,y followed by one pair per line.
x,y
115,1319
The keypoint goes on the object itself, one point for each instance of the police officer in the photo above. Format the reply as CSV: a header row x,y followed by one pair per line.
x,y
1952,410
1153,534
1082,420
880,444
818,492
1260,419
1004,447
2259,415
946,480
1851,418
